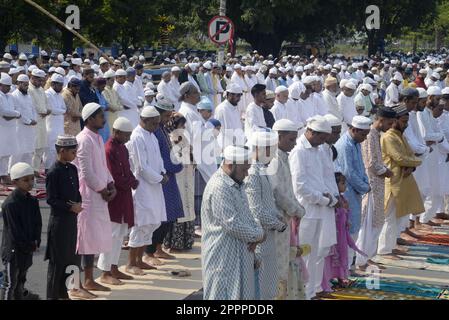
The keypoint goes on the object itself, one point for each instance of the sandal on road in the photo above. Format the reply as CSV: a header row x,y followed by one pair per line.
x,y
181,273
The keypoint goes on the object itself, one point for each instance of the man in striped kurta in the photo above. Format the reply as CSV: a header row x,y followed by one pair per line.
x,y
230,232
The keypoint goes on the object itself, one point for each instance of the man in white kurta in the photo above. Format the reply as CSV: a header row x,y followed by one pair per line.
x,y
129,102
280,108
443,123
55,121
43,110
231,132
8,125
392,92
330,97
148,167
26,125
346,103
254,113
318,227
239,78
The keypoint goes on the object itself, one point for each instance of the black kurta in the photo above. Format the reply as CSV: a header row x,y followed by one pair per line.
x,y
62,186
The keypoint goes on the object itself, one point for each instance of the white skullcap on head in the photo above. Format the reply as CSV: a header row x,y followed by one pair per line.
x,y
361,122
149,112
343,83
333,120
234,88
109,74
299,69
282,70
308,80
237,67
280,89
76,61
438,70
423,71
236,154
367,87
286,125
436,75
149,93
207,65
273,71
422,93
368,80
5,79
61,57
350,85
52,69
264,138
120,73
176,69
434,91
23,57
7,56
23,78
60,71
228,69
295,91
123,124
398,77
13,71
89,109
38,73
445,91
319,124
57,78
103,60
20,170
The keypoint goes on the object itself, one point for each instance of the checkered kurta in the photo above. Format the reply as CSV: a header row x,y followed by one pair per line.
x,y
228,227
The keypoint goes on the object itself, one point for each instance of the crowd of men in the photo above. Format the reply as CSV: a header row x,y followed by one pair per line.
x,y
293,171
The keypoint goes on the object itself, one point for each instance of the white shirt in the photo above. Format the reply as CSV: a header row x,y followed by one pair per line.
x,y
55,121
332,104
254,119
164,89
231,125
347,107
279,110
319,104
392,95
8,129
25,133
413,135
148,167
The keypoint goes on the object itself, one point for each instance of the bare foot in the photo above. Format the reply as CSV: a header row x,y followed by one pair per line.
x,y
152,261
391,256
403,242
81,294
107,279
145,266
94,286
120,275
372,263
136,271
175,251
164,255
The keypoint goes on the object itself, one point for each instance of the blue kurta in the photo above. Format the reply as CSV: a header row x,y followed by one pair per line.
x,y
105,132
350,163
173,202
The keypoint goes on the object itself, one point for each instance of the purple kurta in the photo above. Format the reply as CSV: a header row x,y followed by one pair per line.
x,y
94,223
336,264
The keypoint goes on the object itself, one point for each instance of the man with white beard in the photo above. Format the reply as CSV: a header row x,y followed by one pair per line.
x,y
280,108
130,111
330,97
346,103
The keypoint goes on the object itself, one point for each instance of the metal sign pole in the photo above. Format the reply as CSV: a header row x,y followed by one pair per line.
x,y
221,49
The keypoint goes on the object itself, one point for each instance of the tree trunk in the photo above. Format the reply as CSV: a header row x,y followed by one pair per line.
x,y
415,43
372,48
438,38
67,41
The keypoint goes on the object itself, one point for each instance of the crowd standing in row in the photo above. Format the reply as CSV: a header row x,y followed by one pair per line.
x,y
294,171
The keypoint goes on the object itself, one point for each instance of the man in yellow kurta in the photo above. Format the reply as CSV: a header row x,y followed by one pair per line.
x,y
402,196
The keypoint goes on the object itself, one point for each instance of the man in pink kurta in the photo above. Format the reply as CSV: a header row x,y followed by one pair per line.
x,y
97,189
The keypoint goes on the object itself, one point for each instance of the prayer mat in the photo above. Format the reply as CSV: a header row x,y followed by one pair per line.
x,y
365,294
404,288
442,261
435,239
411,262
429,248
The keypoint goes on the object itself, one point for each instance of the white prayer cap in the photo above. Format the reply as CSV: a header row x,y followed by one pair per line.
x,y
333,120
38,73
149,93
343,83
234,88
295,91
307,67
141,58
52,69
308,80
236,154
270,95
319,124
299,69
328,67
57,78
89,109
264,138
60,71
192,66
103,60
150,85
280,89
207,65
65,64
377,78
123,124
237,67
176,69
7,56
350,85
4,65
282,70
434,91
368,80
423,71
367,87
422,93
228,69
164,104
61,57
149,112
120,73
362,123
23,57
20,170
13,71
273,71
86,61
270,63
109,74
398,77
5,79
77,61
96,68
23,78
436,75
445,91
286,126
